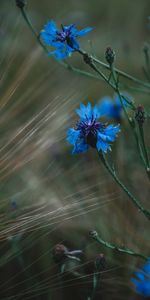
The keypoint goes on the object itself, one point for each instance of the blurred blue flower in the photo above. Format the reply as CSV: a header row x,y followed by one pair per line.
x,y
90,132
112,108
142,283
64,39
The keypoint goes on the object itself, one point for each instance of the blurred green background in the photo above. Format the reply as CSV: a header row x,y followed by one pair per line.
x,y
47,195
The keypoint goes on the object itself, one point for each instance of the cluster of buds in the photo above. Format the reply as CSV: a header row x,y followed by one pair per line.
x,y
20,3
140,115
109,55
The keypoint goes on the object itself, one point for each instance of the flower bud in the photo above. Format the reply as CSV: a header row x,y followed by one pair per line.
x,y
93,233
59,252
109,55
140,114
100,262
20,3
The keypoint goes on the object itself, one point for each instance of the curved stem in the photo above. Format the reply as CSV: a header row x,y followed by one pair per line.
x,y
123,187
124,250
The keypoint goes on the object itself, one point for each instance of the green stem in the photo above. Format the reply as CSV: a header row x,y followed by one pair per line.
x,y
144,157
124,250
123,187
147,62
144,149
95,285
123,74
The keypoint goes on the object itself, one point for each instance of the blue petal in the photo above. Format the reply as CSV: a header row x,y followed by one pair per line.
x,y
142,287
46,38
69,50
140,275
80,147
51,27
84,31
73,136
87,112
106,106
146,268
84,112
102,145
111,132
59,54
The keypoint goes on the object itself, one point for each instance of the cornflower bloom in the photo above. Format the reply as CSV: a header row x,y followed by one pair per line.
x,y
142,283
90,132
64,39
112,108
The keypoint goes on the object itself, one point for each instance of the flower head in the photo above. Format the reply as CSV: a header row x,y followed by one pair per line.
x,y
142,283
90,132
112,108
64,39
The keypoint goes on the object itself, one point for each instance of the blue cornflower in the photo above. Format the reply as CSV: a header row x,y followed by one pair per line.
x,y
89,132
142,283
64,39
112,108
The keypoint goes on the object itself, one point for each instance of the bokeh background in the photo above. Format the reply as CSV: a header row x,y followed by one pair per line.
x,y
48,196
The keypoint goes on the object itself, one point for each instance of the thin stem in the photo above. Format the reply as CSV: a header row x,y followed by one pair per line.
x,y
144,157
124,250
147,62
123,187
123,74
95,285
144,148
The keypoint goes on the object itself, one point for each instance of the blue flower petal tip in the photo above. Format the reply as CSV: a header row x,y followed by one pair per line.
x,y
142,280
64,39
89,132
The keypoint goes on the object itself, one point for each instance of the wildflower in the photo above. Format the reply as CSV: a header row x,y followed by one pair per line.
x,y
142,283
112,108
64,39
90,132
